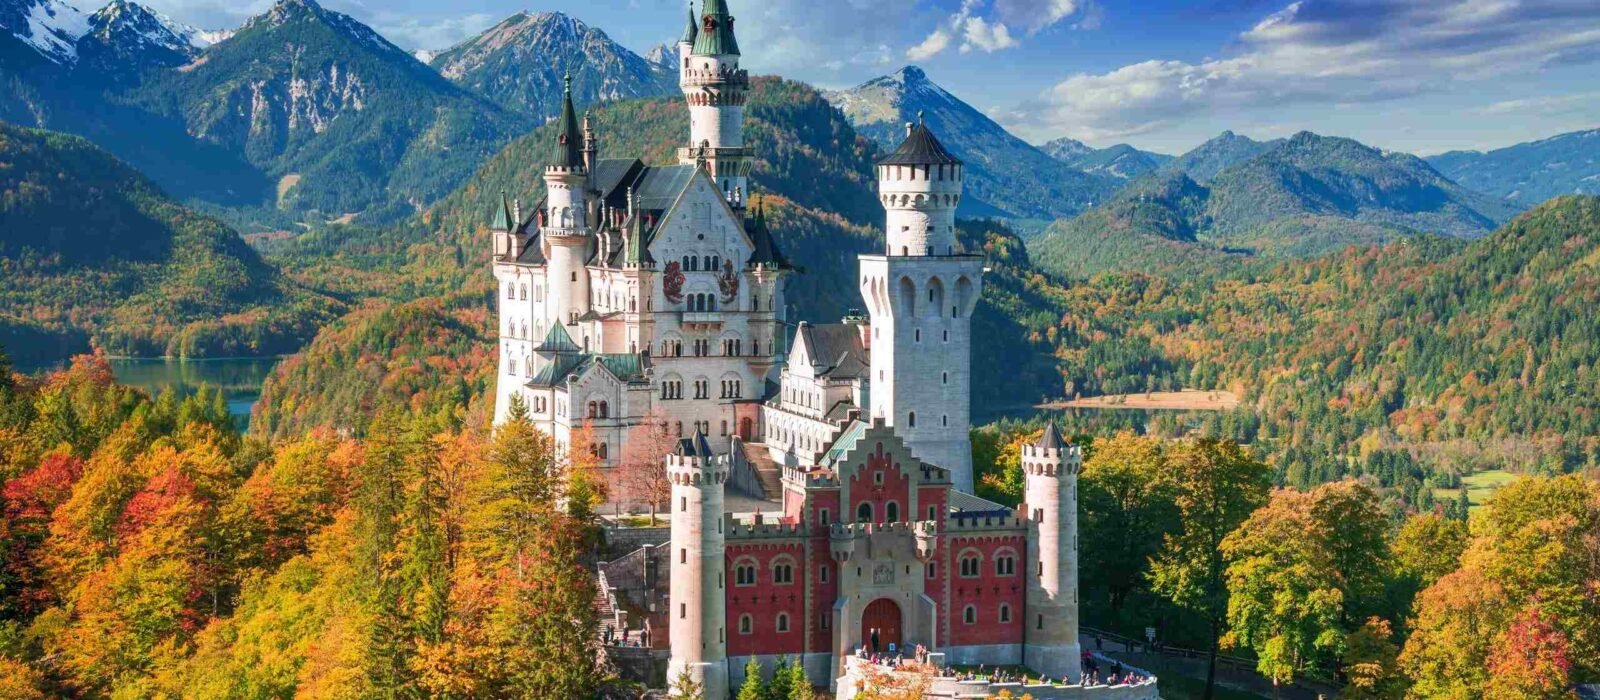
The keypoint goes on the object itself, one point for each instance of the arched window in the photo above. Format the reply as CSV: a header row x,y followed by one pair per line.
x,y
603,454
970,561
1005,564
604,413
783,571
511,291
745,625
969,614
911,419
1005,613
744,573
783,622
594,409
864,513
891,512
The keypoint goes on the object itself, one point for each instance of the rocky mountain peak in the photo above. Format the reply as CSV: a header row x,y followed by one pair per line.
x,y
51,27
135,35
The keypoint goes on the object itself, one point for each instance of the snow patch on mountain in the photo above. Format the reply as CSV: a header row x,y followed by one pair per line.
x,y
53,28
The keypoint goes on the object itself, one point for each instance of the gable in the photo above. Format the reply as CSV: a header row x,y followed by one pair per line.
x,y
700,222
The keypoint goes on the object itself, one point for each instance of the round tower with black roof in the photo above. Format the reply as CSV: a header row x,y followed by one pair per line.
x,y
920,294
566,227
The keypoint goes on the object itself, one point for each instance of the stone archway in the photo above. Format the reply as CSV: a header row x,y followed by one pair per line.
x,y
882,615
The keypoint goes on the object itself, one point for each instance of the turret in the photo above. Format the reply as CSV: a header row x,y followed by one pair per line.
x,y
920,294
686,44
716,87
920,186
566,227
1050,491
699,635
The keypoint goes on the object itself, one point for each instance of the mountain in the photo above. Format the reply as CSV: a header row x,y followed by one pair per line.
x,y
1119,162
48,28
1529,173
341,120
1005,176
1151,226
1211,157
126,39
664,55
520,63
95,253
1304,196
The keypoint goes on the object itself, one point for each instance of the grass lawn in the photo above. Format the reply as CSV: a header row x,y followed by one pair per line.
x,y
1480,486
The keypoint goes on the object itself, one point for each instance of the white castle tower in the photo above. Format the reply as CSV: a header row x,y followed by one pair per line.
x,y
696,597
566,230
1050,499
716,88
920,294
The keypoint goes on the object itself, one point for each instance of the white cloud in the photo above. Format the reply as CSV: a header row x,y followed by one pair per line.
x,y
1325,51
988,29
936,42
432,34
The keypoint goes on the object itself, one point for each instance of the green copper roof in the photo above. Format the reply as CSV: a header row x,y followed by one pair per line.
x,y
502,216
691,31
846,440
569,153
637,252
557,340
625,365
716,31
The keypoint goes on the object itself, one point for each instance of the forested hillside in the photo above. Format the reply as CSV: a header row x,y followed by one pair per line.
x,y
94,252
1461,353
1528,173
1304,196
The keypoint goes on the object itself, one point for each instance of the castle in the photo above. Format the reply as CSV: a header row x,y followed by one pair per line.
x,y
634,293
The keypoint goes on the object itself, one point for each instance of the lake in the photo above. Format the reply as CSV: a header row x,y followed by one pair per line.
x,y
239,378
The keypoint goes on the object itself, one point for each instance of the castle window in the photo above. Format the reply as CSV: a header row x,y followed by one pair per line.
x,y
911,419
683,611
822,516
969,565
944,377
783,573
891,512
822,573
944,421
511,291
604,412
1039,623
969,614
877,478
783,622
1005,565
683,556
933,569
1005,613
683,504
917,335
826,620
864,513
744,573
745,625
574,275
933,512
947,336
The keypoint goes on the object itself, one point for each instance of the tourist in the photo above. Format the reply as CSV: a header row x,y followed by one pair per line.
x,y
874,641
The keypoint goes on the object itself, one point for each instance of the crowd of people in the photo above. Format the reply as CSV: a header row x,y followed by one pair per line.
x,y
893,660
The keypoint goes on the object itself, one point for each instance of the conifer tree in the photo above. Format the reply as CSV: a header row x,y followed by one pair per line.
x,y
752,688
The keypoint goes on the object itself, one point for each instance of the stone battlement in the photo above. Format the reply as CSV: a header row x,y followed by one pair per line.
x,y
736,529
959,524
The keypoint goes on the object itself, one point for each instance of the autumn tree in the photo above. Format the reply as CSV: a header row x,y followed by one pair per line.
x,y
1370,663
644,462
1531,660
1127,509
1216,486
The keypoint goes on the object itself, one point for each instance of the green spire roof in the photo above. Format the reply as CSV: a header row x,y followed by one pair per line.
x,y
569,142
716,31
502,216
637,253
693,30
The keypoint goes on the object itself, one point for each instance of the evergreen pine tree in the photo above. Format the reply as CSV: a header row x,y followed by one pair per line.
x,y
800,684
781,685
1463,503
753,688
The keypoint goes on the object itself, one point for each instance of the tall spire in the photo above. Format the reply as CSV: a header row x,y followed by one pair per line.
x,y
691,31
569,140
716,31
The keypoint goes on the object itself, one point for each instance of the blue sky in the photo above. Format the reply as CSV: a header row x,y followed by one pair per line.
x,y
1416,75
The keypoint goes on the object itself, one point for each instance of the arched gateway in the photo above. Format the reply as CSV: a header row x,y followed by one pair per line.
x,y
882,615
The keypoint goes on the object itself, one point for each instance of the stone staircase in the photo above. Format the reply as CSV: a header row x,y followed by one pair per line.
x,y
767,471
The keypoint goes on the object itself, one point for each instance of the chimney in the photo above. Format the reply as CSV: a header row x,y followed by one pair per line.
x,y
909,127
